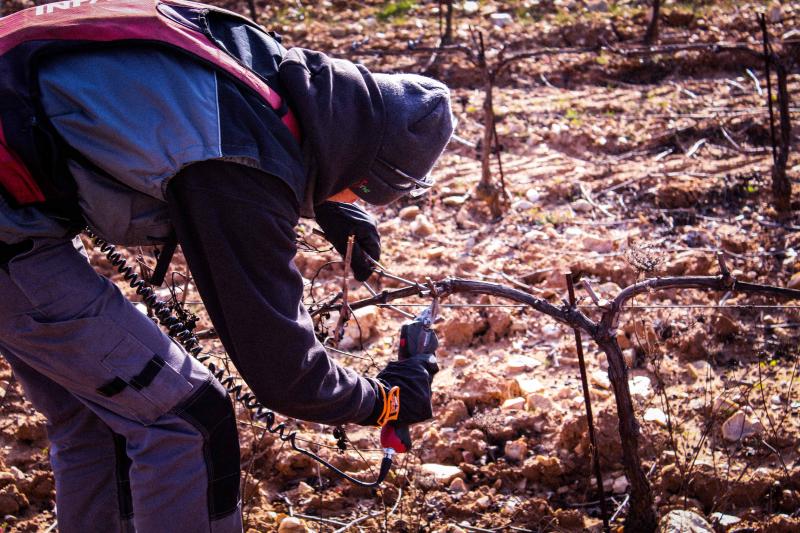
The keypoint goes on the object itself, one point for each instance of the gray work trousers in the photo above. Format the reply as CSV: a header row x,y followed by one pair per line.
x,y
142,437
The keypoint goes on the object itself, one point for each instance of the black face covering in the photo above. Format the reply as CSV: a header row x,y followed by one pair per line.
x,y
340,110
373,133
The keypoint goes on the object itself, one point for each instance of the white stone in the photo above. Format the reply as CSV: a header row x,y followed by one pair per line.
x,y
658,416
422,226
640,386
290,524
684,522
522,363
460,360
535,235
435,253
529,385
470,7
600,378
724,520
533,195
19,475
551,331
454,201
513,404
738,426
483,502
522,205
440,473
409,213
620,485
501,20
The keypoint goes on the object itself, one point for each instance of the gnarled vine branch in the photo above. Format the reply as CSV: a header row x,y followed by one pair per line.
x,y
641,516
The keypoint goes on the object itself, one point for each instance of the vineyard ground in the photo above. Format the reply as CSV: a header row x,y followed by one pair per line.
x,y
616,169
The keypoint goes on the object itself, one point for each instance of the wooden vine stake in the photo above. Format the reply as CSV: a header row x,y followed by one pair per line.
x,y
601,493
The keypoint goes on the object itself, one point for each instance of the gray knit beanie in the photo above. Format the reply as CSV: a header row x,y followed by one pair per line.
x,y
418,126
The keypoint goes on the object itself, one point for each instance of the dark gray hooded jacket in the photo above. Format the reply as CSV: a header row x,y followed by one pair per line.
x,y
139,117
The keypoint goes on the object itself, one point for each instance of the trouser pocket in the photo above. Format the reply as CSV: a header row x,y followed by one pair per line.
x,y
103,362
152,386
75,327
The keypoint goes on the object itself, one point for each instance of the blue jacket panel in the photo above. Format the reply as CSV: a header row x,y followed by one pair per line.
x,y
139,115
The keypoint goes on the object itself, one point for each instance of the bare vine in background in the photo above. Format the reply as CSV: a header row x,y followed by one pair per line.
x,y
494,194
781,185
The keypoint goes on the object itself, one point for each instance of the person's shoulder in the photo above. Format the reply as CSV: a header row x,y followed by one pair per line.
x,y
120,59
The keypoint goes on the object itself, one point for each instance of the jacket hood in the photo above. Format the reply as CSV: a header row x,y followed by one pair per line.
x,y
342,118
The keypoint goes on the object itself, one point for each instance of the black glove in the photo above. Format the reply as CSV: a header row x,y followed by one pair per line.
x,y
339,221
413,374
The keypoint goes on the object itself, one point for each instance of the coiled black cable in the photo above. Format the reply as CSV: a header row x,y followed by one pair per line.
x,y
178,330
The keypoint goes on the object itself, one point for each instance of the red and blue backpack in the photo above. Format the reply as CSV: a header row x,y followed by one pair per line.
x,y
32,159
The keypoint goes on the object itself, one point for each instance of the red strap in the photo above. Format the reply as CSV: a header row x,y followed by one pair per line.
x,y
15,177
128,20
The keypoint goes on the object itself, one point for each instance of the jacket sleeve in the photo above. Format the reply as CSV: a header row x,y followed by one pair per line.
x,y
236,229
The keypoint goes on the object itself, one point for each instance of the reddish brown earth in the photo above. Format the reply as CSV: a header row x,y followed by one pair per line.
x,y
617,168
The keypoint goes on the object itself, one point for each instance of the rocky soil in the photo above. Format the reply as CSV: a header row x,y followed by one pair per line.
x,y
616,168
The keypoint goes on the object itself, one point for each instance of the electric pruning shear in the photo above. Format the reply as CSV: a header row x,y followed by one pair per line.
x,y
396,438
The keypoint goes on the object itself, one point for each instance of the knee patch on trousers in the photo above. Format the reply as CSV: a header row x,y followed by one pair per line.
x,y
211,412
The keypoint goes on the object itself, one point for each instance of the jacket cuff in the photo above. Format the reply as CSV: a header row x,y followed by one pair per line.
x,y
377,408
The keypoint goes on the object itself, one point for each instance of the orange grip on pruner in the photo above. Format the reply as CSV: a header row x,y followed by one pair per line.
x,y
393,436
391,406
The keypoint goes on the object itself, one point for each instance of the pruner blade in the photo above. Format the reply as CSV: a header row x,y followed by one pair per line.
x,y
429,314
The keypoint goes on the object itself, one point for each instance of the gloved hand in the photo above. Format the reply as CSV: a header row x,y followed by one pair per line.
x,y
339,221
413,374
